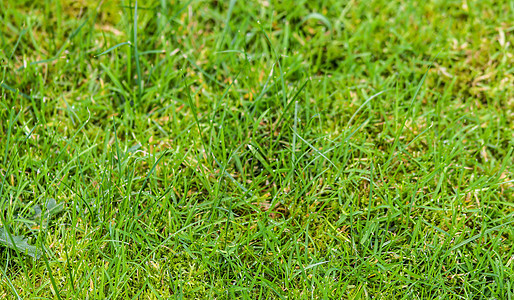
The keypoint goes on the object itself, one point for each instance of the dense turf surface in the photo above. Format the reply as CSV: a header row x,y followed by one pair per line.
x,y
257,149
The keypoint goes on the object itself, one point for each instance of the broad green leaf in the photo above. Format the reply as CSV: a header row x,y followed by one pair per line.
x,y
18,243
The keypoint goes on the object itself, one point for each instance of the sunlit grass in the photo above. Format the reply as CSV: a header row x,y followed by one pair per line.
x,y
258,150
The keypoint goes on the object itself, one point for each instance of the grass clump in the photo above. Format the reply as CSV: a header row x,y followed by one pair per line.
x,y
270,149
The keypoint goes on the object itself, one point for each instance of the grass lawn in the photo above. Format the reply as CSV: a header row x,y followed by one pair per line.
x,y
267,149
